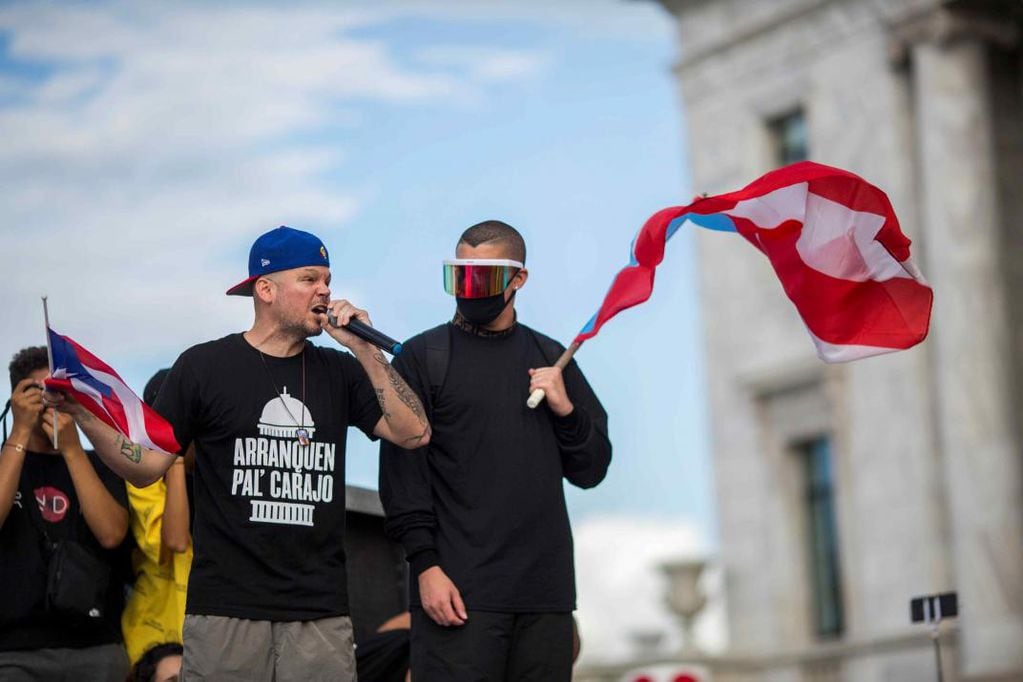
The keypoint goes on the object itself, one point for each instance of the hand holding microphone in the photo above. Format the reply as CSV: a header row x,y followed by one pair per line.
x,y
362,330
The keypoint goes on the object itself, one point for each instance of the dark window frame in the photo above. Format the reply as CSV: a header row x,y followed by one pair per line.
x,y
790,137
822,540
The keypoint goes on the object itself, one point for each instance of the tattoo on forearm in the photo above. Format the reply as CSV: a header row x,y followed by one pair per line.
x,y
401,389
406,395
84,417
131,451
380,399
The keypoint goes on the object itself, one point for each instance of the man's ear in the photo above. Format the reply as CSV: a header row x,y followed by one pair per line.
x,y
516,283
519,280
264,290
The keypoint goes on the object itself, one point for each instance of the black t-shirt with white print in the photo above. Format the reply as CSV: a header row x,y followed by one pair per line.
x,y
269,511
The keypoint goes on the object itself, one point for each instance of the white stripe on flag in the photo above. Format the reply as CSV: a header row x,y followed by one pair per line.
x,y
772,209
832,352
914,271
842,243
86,390
834,240
132,408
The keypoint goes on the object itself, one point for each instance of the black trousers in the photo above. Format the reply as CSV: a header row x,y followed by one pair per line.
x,y
493,647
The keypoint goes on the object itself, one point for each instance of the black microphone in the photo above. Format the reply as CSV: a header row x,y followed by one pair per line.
x,y
367,333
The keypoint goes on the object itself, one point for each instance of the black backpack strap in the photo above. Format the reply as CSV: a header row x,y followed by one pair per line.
x,y
438,356
35,517
3,418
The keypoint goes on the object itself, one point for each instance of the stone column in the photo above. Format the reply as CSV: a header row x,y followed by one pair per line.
x,y
971,345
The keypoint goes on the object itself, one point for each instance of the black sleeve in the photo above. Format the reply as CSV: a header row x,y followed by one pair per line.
x,y
582,435
363,406
405,482
178,401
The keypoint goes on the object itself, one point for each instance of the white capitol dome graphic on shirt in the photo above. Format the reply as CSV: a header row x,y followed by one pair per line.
x,y
276,420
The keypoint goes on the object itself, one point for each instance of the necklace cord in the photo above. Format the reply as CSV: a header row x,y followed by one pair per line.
x,y
300,425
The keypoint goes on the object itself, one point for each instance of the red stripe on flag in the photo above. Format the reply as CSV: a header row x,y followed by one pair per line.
x,y
860,196
160,431
890,314
110,410
116,410
87,401
634,284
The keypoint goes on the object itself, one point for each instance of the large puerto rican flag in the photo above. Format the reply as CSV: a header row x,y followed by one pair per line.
x,y
101,390
834,242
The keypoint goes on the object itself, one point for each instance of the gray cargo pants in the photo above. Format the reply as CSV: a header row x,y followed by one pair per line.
x,y
228,649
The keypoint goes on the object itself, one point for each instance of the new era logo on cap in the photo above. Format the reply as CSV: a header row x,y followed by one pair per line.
x,y
281,249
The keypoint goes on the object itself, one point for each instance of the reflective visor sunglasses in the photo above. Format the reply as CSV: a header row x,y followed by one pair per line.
x,y
478,277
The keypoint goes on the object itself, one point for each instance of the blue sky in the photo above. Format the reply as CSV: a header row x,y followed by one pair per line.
x,y
144,146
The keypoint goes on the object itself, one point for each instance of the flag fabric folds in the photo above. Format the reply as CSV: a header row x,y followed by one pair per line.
x,y
834,242
100,390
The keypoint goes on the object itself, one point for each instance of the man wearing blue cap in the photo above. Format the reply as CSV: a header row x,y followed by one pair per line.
x,y
268,414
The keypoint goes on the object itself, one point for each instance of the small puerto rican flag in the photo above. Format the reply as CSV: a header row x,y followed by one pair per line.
x,y
99,389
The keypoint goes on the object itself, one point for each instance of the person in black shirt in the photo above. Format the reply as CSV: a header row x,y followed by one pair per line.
x,y
50,496
268,414
481,513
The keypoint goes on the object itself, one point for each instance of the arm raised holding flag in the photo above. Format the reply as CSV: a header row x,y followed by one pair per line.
x,y
834,242
133,440
139,465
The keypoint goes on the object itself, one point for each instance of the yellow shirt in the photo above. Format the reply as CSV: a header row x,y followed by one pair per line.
x,y
155,610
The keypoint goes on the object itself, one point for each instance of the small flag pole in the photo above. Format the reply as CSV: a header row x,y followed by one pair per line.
x,y
49,355
537,396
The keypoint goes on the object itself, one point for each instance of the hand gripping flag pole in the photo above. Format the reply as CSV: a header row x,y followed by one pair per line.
x,y
834,242
537,396
49,356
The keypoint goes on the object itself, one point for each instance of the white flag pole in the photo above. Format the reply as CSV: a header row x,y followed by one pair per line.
x,y
49,355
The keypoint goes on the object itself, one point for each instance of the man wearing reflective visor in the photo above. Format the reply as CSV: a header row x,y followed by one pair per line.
x,y
481,513
479,284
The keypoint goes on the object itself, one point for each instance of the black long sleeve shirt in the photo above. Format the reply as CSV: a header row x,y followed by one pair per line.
x,y
485,499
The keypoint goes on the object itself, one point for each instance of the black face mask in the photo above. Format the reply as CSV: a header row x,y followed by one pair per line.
x,y
481,311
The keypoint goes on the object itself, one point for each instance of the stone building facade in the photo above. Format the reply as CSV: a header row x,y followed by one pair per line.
x,y
845,490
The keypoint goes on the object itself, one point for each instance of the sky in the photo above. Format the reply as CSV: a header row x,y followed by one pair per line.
x,y
144,146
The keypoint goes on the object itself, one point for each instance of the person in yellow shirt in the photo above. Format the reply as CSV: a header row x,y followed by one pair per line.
x,y
162,558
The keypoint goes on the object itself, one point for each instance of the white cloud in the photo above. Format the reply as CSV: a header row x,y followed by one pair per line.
x,y
161,140
621,589
486,64
599,19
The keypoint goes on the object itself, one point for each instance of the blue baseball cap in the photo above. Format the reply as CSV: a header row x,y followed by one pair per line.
x,y
281,249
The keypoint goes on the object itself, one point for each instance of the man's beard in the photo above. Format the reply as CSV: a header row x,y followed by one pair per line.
x,y
301,328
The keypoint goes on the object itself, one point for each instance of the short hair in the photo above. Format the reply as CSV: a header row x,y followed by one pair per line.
x,y
26,361
145,669
496,231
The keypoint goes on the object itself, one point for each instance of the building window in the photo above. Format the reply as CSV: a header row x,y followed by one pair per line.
x,y
790,138
822,537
